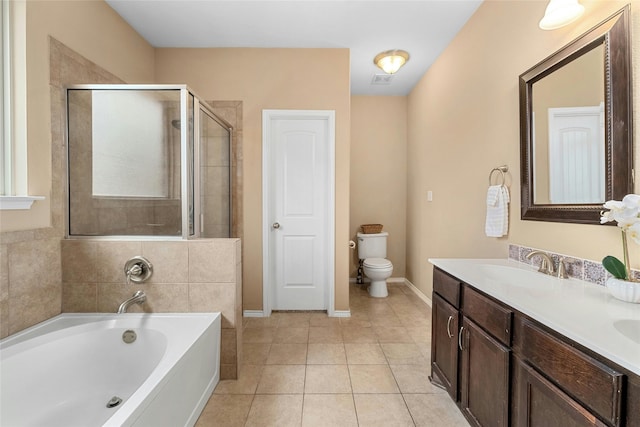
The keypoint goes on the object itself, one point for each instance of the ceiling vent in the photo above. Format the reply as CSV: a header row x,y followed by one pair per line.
x,y
381,79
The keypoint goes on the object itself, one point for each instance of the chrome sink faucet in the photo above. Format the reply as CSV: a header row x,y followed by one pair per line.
x,y
547,267
138,298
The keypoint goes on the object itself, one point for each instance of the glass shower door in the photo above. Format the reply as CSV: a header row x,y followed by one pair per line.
x,y
124,162
215,177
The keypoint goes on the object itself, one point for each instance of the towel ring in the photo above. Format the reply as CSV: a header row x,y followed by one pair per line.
x,y
502,170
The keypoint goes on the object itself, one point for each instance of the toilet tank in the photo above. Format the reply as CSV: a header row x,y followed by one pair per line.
x,y
372,245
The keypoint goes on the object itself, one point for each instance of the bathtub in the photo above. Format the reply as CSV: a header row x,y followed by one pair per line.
x,y
67,370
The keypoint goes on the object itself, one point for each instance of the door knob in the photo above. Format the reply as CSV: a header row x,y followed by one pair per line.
x,y
276,225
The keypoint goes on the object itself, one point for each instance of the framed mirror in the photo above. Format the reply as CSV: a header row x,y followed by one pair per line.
x,y
576,140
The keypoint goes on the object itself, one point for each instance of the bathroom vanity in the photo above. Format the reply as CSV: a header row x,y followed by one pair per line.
x,y
513,346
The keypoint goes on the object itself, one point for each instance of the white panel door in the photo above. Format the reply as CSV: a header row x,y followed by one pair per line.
x,y
576,155
298,210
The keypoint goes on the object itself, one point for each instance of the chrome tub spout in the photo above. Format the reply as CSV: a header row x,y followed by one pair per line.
x,y
138,298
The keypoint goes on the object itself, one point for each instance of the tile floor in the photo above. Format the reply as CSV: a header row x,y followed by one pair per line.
x,y
307,369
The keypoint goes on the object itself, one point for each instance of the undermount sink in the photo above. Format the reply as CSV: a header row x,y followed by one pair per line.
x,y
630,328
513,276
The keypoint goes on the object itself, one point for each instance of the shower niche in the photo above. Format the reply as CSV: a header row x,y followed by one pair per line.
x,y
146,160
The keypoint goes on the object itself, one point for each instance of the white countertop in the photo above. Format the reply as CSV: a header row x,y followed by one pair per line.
x,y
582,311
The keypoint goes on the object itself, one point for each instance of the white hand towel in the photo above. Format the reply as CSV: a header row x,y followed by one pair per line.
x,y
497,223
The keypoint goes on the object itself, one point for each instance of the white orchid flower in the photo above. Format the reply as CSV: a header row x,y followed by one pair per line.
x,y
634,232
624,212
605,217
631,201
627,214
614,205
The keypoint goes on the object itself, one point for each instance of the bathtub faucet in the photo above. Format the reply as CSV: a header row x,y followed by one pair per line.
x,y
138,298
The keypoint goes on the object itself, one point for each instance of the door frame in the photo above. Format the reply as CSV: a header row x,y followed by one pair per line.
x,y
267,270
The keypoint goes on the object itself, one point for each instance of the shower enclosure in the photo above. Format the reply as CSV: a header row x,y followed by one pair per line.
x,y
146,160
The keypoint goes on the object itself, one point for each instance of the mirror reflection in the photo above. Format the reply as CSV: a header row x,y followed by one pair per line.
x,y
569,134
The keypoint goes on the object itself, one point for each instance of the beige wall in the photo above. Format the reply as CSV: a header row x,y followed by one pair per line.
x,y
311,79
463,121
378,172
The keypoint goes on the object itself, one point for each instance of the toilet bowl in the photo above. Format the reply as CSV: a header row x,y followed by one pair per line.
x,y
378,270
372,251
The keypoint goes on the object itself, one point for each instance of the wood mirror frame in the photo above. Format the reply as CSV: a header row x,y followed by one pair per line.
x,y
614,35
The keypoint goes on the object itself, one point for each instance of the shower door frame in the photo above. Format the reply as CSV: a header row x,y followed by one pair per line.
x,y
197,158
198,103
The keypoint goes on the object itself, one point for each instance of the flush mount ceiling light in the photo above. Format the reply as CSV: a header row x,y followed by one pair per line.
x,y
560,13
391,60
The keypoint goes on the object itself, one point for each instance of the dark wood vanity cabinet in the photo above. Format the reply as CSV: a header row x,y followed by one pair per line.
x,y
467,358
506,369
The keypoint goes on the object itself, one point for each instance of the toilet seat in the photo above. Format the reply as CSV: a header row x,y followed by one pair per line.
x,y
377,263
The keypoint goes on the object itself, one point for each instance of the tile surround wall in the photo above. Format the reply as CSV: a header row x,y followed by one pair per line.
x,y
577,268
30,278
203,275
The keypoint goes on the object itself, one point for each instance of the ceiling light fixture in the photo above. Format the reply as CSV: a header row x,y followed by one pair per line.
x,y
391,60
560,13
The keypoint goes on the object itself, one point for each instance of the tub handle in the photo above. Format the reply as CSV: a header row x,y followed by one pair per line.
x,y
138,269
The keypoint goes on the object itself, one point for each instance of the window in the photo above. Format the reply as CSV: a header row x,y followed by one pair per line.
x,y
13,116
5,119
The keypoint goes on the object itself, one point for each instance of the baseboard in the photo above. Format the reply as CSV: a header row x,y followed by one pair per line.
x,y
407,283
347,313
341,313
418,292
253,313
389,280
260,313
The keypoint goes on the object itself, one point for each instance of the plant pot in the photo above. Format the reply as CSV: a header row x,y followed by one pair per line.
x,y
624,290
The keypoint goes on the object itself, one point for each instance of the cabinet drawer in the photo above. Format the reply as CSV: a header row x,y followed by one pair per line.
x,y
490,315
447,286
593,384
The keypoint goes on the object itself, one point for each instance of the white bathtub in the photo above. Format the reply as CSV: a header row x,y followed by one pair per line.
x,y
62,372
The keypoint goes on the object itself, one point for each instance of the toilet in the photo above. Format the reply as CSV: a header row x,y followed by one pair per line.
x,y
372,251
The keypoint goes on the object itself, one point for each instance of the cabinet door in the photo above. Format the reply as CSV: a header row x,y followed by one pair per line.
x,y
444,346
484,377
539,403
